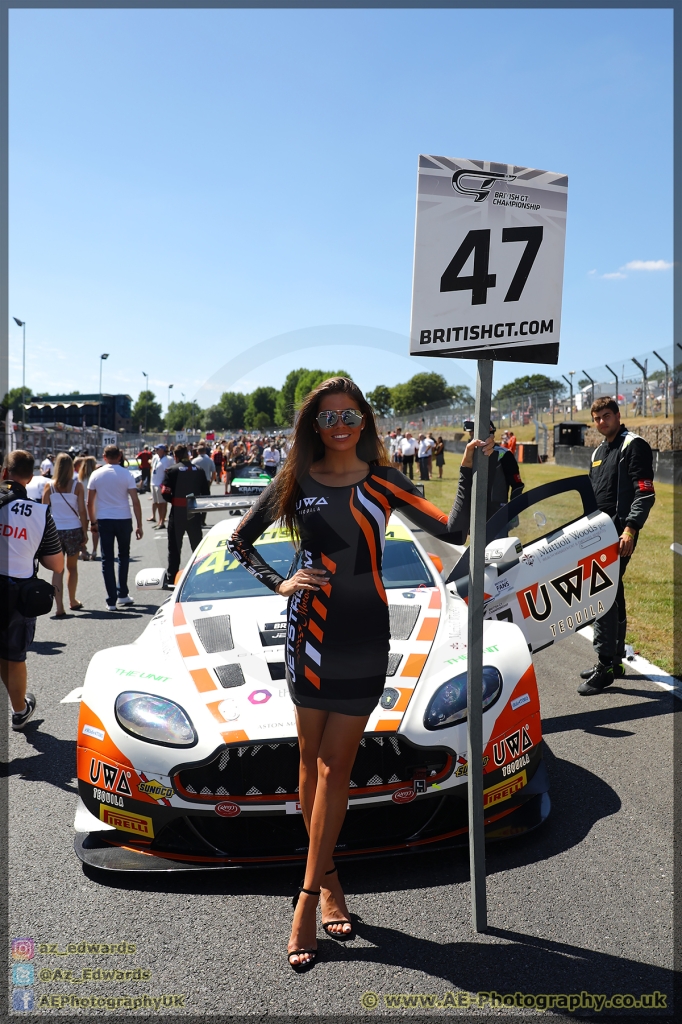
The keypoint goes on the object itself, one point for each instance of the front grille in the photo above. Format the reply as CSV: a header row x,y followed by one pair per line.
x,y
402,619
272,768
230,675
215,633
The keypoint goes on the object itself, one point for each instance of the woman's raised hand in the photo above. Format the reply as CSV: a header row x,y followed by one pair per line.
x,y
304,579
485,446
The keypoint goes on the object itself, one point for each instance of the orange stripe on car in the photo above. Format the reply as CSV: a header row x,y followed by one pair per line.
x,y
404,700
320,608
203,680
435,599
311,677
236,736
213,708
428,628
179,615
413,499
364,525
387,725
414,665
186,644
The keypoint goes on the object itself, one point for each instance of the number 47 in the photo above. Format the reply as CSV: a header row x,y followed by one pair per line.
x,y
478,283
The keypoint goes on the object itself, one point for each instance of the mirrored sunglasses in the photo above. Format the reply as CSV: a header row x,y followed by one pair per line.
x,y
329,418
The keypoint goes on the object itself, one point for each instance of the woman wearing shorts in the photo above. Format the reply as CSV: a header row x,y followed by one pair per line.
x,y
65,496
334,494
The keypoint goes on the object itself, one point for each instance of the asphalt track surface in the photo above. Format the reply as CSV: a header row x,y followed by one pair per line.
x,y
584,904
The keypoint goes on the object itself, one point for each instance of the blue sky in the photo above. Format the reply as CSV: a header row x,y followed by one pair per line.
x,y
185,184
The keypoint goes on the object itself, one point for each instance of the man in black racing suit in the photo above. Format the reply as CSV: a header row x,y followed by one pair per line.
x,y
180,481
622,476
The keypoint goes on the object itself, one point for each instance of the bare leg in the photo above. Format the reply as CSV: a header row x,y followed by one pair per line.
x,y
14,677
337,747
58,584
95,541
71,579
162,507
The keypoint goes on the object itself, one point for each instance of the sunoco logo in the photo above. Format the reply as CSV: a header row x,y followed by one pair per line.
x,y
481,183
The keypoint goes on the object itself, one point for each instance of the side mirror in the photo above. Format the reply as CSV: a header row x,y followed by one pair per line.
x,y
151,579
437,561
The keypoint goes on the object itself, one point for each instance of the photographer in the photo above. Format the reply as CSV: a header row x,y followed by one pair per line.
x,y
27,534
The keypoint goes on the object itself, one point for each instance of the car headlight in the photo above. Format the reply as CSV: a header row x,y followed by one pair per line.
x,y
154,719
448,706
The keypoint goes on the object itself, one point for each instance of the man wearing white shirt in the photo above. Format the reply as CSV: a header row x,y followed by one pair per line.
x,y
408,446
423,453
46,466
271,458
110,491
160,463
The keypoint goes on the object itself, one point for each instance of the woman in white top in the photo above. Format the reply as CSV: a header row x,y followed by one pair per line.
x,y
88,465
65,496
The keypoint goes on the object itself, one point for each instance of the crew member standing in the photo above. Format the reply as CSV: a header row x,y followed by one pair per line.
x,y
27,534
271,458
622,475
180,481
504,479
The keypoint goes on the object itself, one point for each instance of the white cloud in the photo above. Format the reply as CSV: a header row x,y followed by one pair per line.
x,y
647,265
619,275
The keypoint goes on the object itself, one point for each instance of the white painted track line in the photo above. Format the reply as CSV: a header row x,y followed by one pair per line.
x,y
645,668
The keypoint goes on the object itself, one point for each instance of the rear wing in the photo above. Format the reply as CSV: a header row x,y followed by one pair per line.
x,y
235,506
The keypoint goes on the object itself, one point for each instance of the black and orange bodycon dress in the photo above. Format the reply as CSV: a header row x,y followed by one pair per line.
x,y
338,636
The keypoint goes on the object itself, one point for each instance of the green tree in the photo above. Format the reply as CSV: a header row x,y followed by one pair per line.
x,y
380,400
215,418
422,389
182,416
535,383
13,400
309,380
260,408
461,395
233,404
147,408
262,421
284,407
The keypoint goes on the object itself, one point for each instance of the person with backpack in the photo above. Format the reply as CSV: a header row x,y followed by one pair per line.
x,y
66,498
27,536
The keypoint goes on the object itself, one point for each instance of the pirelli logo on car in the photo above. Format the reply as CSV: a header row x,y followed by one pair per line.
x,y
504,790
126,821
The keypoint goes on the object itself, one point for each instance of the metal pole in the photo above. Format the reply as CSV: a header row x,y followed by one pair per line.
x,y
479,508
23,368
570,384
592,382
667,371
615,377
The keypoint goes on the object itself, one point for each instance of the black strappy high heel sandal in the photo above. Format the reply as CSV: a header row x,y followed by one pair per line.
x,y
339,936
306,965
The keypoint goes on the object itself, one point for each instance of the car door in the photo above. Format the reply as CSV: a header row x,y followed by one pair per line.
x,y
549,582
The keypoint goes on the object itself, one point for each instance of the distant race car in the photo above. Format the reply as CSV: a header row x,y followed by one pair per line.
x,y
250,480
187,749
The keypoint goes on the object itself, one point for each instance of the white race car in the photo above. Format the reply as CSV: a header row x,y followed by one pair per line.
x,y
187,750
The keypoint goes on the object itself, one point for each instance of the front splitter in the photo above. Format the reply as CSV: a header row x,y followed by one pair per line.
x,y
93,850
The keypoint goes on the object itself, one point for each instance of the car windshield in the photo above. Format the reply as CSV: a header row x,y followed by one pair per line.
x,y
249,472
216,575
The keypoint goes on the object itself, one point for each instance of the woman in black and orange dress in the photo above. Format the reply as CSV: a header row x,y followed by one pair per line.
x,y
335,493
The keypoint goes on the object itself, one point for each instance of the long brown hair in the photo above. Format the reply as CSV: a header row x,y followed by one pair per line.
x,y
307,446
63,472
